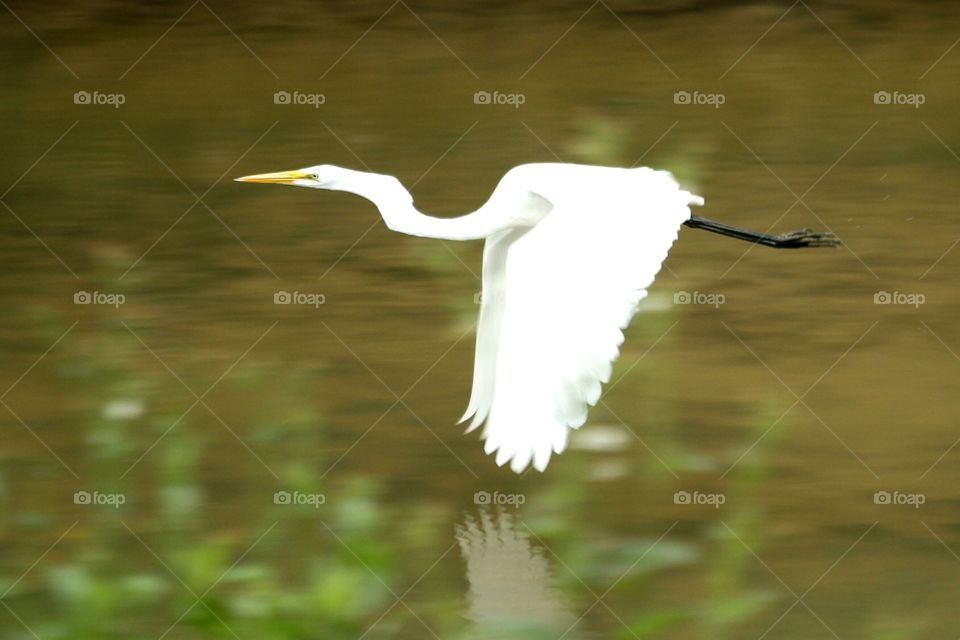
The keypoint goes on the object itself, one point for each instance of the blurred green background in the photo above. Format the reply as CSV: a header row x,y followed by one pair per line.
x,y
197,400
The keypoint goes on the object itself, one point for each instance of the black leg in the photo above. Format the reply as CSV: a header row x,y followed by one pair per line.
x,y
789,240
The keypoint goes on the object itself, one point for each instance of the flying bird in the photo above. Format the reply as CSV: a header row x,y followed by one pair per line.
x,y
569,253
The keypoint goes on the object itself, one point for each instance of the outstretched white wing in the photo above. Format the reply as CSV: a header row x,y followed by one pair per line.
x,y
557,298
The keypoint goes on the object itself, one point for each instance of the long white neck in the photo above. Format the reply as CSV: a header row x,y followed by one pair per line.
x,y
396,207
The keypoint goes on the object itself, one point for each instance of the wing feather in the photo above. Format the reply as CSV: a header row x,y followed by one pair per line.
x,y
492,300
560,295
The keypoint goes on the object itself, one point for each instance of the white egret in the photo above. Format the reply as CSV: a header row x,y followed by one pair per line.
x,y
570,252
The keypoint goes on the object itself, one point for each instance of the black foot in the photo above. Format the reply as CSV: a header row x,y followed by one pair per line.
x,y
805,238
790,240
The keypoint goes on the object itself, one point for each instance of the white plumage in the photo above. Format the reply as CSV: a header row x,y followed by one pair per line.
x,y
557,297
570,252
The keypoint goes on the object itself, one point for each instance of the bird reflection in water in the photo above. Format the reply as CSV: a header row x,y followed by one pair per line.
x,y
513,591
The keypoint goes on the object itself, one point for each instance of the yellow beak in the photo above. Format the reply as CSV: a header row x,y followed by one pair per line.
x,y
280,177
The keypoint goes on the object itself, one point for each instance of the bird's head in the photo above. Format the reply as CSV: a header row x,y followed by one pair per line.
x,y
321,176
384,191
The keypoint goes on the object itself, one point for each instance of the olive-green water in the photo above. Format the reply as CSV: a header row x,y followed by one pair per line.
x,y
184,458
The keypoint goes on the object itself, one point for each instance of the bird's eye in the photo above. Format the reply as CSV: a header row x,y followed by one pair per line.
x,y
314,176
